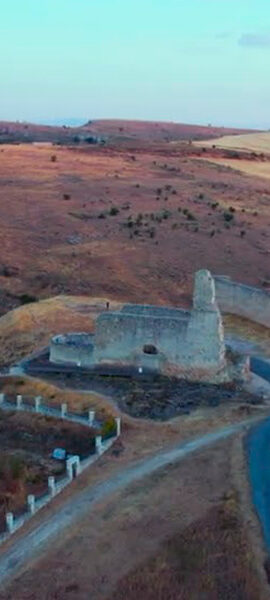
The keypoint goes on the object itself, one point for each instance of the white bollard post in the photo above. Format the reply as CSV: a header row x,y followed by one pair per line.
x,y
2,398
69,469
118,426
10,522
63,410
91,417
98,443
51,485
31,501
78,466
37,403
19,402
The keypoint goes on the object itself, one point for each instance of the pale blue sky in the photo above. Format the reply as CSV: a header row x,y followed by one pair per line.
x,y
195,61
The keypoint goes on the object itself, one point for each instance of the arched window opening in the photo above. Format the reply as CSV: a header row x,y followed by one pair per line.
x,y
150,349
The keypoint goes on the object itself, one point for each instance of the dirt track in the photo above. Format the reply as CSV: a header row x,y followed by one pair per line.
x,y
26,549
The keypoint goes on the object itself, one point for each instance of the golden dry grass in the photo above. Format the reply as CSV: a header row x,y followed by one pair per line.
x,y
249,330
209,559
31,326
249,167
253,142
51,394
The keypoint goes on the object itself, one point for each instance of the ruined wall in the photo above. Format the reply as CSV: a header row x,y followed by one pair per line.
x,y
194,342
243,300
73,348
168,340
121,337
155,311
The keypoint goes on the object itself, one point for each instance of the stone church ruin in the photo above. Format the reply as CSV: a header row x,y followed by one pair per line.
x,y
170,341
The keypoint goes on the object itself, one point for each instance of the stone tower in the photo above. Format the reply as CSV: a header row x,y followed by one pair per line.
x,y
205,329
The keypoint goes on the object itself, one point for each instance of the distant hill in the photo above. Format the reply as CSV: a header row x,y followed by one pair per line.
x,y
158,131
110,130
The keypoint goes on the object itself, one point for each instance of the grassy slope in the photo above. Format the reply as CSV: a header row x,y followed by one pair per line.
x,y
53,241
31,326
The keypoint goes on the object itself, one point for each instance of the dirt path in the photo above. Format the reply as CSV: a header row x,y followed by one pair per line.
x,y
24,550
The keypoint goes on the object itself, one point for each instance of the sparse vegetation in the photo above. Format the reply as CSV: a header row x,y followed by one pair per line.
x,y
228,216
113,211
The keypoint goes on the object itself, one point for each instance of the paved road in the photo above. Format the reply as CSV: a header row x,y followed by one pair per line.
x,y
261,367
25,550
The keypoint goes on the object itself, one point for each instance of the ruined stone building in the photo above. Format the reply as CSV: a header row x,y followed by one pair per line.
x,y
167,340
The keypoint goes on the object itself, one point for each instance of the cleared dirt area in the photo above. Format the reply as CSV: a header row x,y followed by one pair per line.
x,y
191,543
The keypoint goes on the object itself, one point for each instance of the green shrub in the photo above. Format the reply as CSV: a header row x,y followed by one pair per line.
x,y
27,298
114,211
228,216
108,428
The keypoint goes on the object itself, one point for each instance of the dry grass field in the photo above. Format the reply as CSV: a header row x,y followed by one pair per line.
x,y
251,142
128,224
248,167
248,153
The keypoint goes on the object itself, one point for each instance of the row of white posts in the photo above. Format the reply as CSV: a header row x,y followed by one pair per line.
x,y
38,408
73,463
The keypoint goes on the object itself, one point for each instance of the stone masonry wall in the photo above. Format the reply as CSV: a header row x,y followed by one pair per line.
x,y
243,300
62,351
121,337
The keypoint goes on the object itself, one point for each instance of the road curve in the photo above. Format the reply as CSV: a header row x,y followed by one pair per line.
x,y
24,550
260,366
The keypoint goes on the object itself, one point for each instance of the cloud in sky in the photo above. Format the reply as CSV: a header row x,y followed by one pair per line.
x,y
255,40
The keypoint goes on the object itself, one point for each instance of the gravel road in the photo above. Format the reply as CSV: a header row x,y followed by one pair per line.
x,y
25,550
